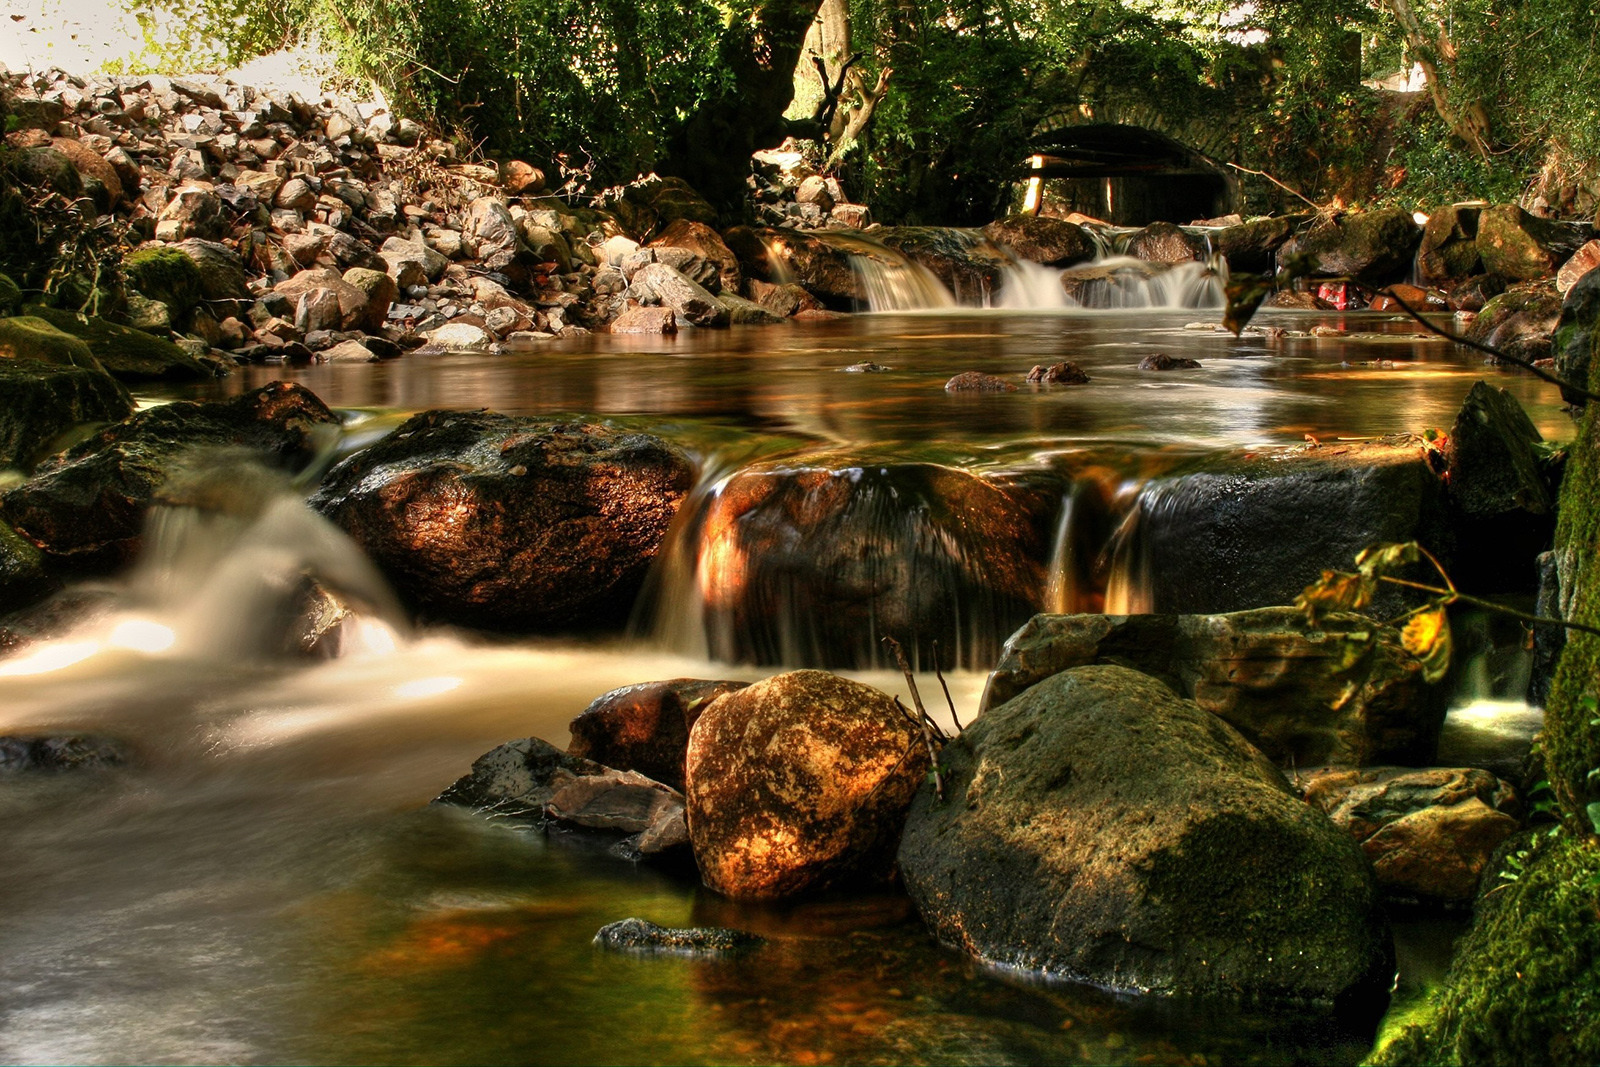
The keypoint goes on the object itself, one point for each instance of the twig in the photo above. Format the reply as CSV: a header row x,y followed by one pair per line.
x,y
1451,596
1280,185
932,736
1490,350
939,674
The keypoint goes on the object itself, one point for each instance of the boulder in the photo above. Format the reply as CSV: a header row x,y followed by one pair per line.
x,y
1163,242
30,339
1575,335
687,298
1064,373
1342,690
1375,247
1163,361
1430,833
510,523
1521,246
969,268
44,168
799,784
1520,321
85,507
1252,244
92,167
166,274
221,275
531,779
637,935
816,564
412,263
41,401
703,241
1494,468
645,320
1099,827
193,211
1247,530
23,578
352,300
1582,262
489,234
381,292
128,354
645,727
780,256
972,381
521,179
460,337
1449,252
1042,239
782,300
1475,292
742,312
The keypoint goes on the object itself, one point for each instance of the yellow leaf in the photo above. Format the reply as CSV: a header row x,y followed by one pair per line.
x,y
1335,591
1427,637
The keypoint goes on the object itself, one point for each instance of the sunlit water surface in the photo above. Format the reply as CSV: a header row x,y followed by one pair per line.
x,y
266,881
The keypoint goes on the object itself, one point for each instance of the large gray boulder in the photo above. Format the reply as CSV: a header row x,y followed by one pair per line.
x,y
1099,827
1342,691
507,523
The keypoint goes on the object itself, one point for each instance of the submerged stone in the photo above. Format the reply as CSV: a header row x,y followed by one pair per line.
x,y
639,935
67,752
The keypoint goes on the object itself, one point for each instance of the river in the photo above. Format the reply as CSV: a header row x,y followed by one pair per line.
x,y
266,882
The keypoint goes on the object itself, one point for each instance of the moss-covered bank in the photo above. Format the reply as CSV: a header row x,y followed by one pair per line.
x,y
1525,983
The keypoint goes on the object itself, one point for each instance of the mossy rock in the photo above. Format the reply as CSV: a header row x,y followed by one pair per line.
x,y
23,578
34,339
1525,984
129,354
43,167
167,275
10,295
41,401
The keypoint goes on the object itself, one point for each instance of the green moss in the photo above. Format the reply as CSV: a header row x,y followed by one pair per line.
x,y
1525,986
1571,738
129,354
31,337
167,275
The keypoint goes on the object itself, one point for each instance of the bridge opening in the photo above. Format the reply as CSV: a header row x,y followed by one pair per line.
x,y
1125,175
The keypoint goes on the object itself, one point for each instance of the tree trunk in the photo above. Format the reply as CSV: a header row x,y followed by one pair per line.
x,y
1469,122
712,151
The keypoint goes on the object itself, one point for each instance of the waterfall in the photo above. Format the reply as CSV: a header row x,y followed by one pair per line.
x,y
896,283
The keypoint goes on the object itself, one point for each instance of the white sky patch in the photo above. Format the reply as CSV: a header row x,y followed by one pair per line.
x,y
79,36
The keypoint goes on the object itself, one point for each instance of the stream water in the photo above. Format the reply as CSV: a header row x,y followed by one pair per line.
x,y
265,881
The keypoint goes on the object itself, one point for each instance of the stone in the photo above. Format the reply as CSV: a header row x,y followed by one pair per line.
x,y
1162,242
1576,334
220,273
489,234
799,784
1042,239
1520,321
637,935
193,211
1343,690
67,752
851,216
968,268
91,165
44,168
521,179
1100,828
1244,530
972,381
814,190
1430,834
381,292
349,352
30,339
318,309
296,194
1376,247
688,300
41,401
782,300
1494,468
784,256
460,337
1252,245
85,507
1521,246
1448,254
533,780
959,565
645,727
645,320
348,252
24,580
129,354
1584,260
1162,361
352,301
1064,373
408,258
1475,292
742,312
510,523
706,243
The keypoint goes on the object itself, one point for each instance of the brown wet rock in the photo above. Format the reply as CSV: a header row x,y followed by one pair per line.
x,y
1042,239
815,564
1430,833
799,784
972,381
645,727
40,401
85,507
1098,827
1162,361
505,523
1065,373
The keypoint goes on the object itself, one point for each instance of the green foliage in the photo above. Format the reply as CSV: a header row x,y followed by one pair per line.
x,y
606,79
192,35
1434,169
